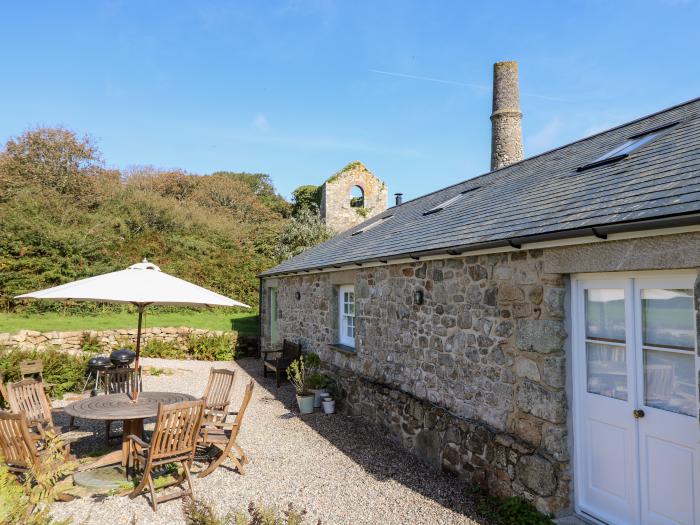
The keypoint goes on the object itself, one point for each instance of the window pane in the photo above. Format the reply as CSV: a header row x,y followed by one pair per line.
x,y
605,314
669,381
667,318
607,370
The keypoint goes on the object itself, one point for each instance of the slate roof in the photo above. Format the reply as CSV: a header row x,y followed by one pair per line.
x,y
538,196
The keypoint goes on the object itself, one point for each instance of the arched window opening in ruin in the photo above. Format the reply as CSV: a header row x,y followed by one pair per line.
x,y
357,197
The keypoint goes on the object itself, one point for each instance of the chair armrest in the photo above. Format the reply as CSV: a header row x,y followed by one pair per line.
x,y
222,425
140,442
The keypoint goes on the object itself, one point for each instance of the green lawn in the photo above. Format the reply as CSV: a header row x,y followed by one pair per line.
x,y
244,322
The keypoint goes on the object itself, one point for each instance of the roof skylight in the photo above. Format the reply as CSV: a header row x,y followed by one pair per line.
x,y
450,201
626,148
370,226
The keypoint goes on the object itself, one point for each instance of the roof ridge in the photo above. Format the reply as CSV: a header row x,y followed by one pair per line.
x,y
588,137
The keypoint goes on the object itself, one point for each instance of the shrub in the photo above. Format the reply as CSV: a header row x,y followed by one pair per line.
x,y
163,349
217,348
66,372
90,343
509,511
28,502
203,348
200,513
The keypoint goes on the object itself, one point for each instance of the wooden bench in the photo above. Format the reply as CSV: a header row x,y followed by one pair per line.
x,y
278,361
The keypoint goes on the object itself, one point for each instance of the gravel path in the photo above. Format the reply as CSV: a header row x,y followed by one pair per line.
x,y
336,468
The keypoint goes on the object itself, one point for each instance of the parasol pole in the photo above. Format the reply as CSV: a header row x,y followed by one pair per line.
x,y
138,335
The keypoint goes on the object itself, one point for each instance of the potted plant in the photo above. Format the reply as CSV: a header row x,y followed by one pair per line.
x,y
317,385
298,377
317,381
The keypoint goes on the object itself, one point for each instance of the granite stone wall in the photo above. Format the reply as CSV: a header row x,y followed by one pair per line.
x,y
336,209
72,342
472,380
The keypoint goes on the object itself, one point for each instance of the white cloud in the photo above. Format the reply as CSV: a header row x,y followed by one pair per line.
x,y
260,122
546,138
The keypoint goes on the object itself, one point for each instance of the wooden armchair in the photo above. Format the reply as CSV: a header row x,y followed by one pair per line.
x,y
28,397
17,444
120,381
278,361
222,436
217,394
174,441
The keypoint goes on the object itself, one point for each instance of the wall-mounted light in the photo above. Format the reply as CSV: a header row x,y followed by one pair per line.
x,y
298,296
418,297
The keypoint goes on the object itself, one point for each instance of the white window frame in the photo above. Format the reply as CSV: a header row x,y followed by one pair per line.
x,y
346,321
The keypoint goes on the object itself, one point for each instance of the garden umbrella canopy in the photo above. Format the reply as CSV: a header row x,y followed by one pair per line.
x,y
142,284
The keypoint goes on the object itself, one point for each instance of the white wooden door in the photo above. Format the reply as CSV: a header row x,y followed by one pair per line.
x,y
668,431
605,430
636,428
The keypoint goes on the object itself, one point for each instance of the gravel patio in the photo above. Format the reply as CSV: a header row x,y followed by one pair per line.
x,y
336,468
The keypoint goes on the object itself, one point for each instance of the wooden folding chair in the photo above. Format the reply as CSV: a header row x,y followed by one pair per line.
x,y
28,397
222,436
30,368
217,394
174,441
120,381
17,445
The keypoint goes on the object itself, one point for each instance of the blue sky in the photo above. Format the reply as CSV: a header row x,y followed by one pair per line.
x,y
298,89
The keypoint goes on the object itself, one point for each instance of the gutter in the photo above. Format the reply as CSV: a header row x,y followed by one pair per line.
x,y
599,233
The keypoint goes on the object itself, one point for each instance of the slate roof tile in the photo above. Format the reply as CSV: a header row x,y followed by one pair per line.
x,y
540,195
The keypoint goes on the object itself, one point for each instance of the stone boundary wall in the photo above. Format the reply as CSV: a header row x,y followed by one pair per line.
x,y
72,342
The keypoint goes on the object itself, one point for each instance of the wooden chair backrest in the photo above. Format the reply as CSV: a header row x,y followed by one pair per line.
x,y
176,430
31,367
290,350
3,390
29,397
122,380
16,445
244,405
217,394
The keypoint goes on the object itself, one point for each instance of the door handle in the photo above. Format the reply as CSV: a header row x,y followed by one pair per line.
x,y
638,413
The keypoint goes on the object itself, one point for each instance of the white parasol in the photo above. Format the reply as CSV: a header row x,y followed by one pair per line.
x,y
142,284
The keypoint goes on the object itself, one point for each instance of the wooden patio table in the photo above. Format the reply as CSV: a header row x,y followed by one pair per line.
x,y
120,407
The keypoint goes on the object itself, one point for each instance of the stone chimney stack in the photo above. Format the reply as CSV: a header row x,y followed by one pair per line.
x,y
506,119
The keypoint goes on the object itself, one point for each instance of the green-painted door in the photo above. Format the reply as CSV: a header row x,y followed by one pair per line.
x,y
273,316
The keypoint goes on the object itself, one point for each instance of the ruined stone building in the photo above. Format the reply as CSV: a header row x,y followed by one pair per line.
x,y
352,196
532,329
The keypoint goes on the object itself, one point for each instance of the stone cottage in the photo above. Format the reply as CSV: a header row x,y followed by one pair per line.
x,y
532,329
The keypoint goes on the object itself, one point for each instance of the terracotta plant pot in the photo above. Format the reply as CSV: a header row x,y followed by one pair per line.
x,y
306,404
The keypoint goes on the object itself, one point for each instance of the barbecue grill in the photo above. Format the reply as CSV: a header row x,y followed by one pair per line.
x,y
122,357
97,365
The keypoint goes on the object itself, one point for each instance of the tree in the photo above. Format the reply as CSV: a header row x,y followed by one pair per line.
x,y
306,198
54,158
261,186
304,230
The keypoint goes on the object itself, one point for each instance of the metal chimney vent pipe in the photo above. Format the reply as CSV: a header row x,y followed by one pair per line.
x,y
399,198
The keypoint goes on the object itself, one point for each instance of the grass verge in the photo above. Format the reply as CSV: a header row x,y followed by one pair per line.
x,y
242,322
